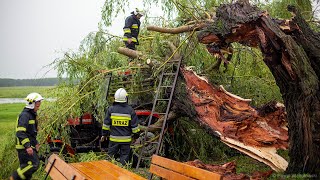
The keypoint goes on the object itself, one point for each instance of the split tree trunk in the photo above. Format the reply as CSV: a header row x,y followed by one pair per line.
x,y
293,56
258,133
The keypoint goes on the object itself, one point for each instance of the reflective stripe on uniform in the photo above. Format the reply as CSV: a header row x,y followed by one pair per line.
x,y
21,129
133,39
127,30
20,147
119,119
25,141
32,121
120,138
106,127
120,114
134,26
24,170
136,129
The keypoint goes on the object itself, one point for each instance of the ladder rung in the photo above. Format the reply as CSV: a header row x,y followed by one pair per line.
x,y
163,99
166,86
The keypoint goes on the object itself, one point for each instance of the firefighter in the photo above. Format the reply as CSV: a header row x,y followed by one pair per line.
x,y
26,142
131,29
119,124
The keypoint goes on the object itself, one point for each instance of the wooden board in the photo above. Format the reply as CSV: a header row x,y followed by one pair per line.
x,y
100,170
183,169
61,170
167,174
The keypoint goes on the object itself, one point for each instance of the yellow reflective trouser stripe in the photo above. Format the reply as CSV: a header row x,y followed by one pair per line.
x,y
135,130
25,141
133,39
24,170
134,26
32,121
120,139
21,129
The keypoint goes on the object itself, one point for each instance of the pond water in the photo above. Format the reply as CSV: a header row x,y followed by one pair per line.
x,y
18,100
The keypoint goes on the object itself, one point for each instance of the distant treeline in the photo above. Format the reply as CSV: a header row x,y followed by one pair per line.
x,y
30,82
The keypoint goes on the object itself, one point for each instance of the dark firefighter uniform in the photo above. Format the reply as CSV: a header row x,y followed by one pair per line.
x,y
121,121
26,134
131,30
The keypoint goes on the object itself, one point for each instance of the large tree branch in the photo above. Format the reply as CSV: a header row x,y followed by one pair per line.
x,y
177,30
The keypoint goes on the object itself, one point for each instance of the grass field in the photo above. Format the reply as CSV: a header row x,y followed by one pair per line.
x,y
23,91
8,117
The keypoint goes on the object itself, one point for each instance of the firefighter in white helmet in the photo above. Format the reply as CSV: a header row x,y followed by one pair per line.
x,y
131,29
26,138
119,124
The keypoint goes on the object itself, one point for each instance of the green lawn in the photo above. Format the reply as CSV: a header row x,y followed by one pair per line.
x,y
23,91
8,117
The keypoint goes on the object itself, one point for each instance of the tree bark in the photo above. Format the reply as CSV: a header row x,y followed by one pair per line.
x,y
129,52
177,30
293,57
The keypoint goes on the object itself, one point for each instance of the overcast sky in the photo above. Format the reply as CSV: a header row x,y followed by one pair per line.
x,y
34,33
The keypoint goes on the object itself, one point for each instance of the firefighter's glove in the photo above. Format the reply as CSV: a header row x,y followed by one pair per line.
x,y
103,138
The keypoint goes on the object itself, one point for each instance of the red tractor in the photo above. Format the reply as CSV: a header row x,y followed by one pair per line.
x,y
85,134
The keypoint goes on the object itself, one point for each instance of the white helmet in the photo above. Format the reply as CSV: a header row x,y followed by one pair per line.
x,y
32,98
120,95
138,11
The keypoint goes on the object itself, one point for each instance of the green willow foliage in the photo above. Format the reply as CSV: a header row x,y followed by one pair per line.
x,y
87,70
304,6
